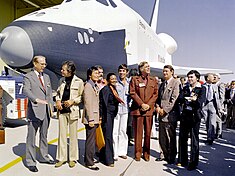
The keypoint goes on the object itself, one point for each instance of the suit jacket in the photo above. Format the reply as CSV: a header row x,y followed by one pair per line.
x,y
141,93
195,114
228,99
33,89
91,103
104,106
216,97
167,99
76,91
221,91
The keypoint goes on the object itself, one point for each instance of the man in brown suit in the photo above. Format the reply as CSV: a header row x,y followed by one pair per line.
x,y
144,92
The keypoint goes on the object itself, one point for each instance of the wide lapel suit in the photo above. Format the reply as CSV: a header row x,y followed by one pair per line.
x,y
76,91
141,93
167,98
32,88
91,104
38,116
216,97
167,124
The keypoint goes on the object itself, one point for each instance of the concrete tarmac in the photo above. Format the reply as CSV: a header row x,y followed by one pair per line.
x,y
215,160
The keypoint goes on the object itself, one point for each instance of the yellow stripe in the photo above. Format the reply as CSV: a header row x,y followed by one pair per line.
x,y
22,157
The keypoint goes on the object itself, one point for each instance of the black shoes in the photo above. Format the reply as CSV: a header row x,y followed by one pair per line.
x,y
209,142
95,168
33,168
48,162
160,159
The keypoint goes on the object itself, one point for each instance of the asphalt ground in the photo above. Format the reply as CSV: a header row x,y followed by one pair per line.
x,y
215,160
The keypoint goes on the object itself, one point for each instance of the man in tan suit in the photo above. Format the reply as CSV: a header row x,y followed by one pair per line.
x,y
68,98
168,94
144,92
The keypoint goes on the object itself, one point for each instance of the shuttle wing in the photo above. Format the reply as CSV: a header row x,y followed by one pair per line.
x,y
181,71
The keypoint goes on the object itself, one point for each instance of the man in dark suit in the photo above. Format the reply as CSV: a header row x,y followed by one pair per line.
x,y
168,94
144,92
192,98
37,87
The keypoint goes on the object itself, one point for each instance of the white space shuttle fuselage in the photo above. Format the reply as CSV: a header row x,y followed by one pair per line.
x,y
89,32
76,28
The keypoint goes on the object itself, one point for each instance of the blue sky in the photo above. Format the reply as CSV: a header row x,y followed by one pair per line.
x,y
204,30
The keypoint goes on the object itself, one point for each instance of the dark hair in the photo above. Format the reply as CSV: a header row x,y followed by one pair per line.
x,y
99,67
90,70
133,72
197,74
123,66
71,68
109,75
169,67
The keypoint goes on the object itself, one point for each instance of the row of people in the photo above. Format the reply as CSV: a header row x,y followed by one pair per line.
x,y
108,104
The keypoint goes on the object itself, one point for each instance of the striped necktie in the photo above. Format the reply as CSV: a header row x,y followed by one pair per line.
x,y
40,79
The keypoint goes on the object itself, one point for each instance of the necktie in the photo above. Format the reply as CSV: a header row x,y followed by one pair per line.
x,y
40,79
209,93
165,85
116,95
96,89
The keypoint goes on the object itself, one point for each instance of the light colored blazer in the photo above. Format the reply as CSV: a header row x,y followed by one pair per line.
x,y
167,98
91,104
33,89
76,91
215,96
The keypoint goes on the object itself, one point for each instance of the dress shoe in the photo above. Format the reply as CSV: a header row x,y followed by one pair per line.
x,y
72,163
146,158
59,163
110,165
48,162
123,157
209,142
137,158
33,168
95,168
160,159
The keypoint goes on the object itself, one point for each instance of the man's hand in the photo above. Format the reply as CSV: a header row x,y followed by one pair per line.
x,y
68,103
162,112
58,105
91,124
145,107
41,101
158,109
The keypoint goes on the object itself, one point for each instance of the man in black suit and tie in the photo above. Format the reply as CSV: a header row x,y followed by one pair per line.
x,y
37,87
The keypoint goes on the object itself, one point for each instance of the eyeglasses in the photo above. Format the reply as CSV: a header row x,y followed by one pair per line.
x,y
42,64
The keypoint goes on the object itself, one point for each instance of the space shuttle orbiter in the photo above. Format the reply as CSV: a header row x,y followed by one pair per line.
x,y
89,32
